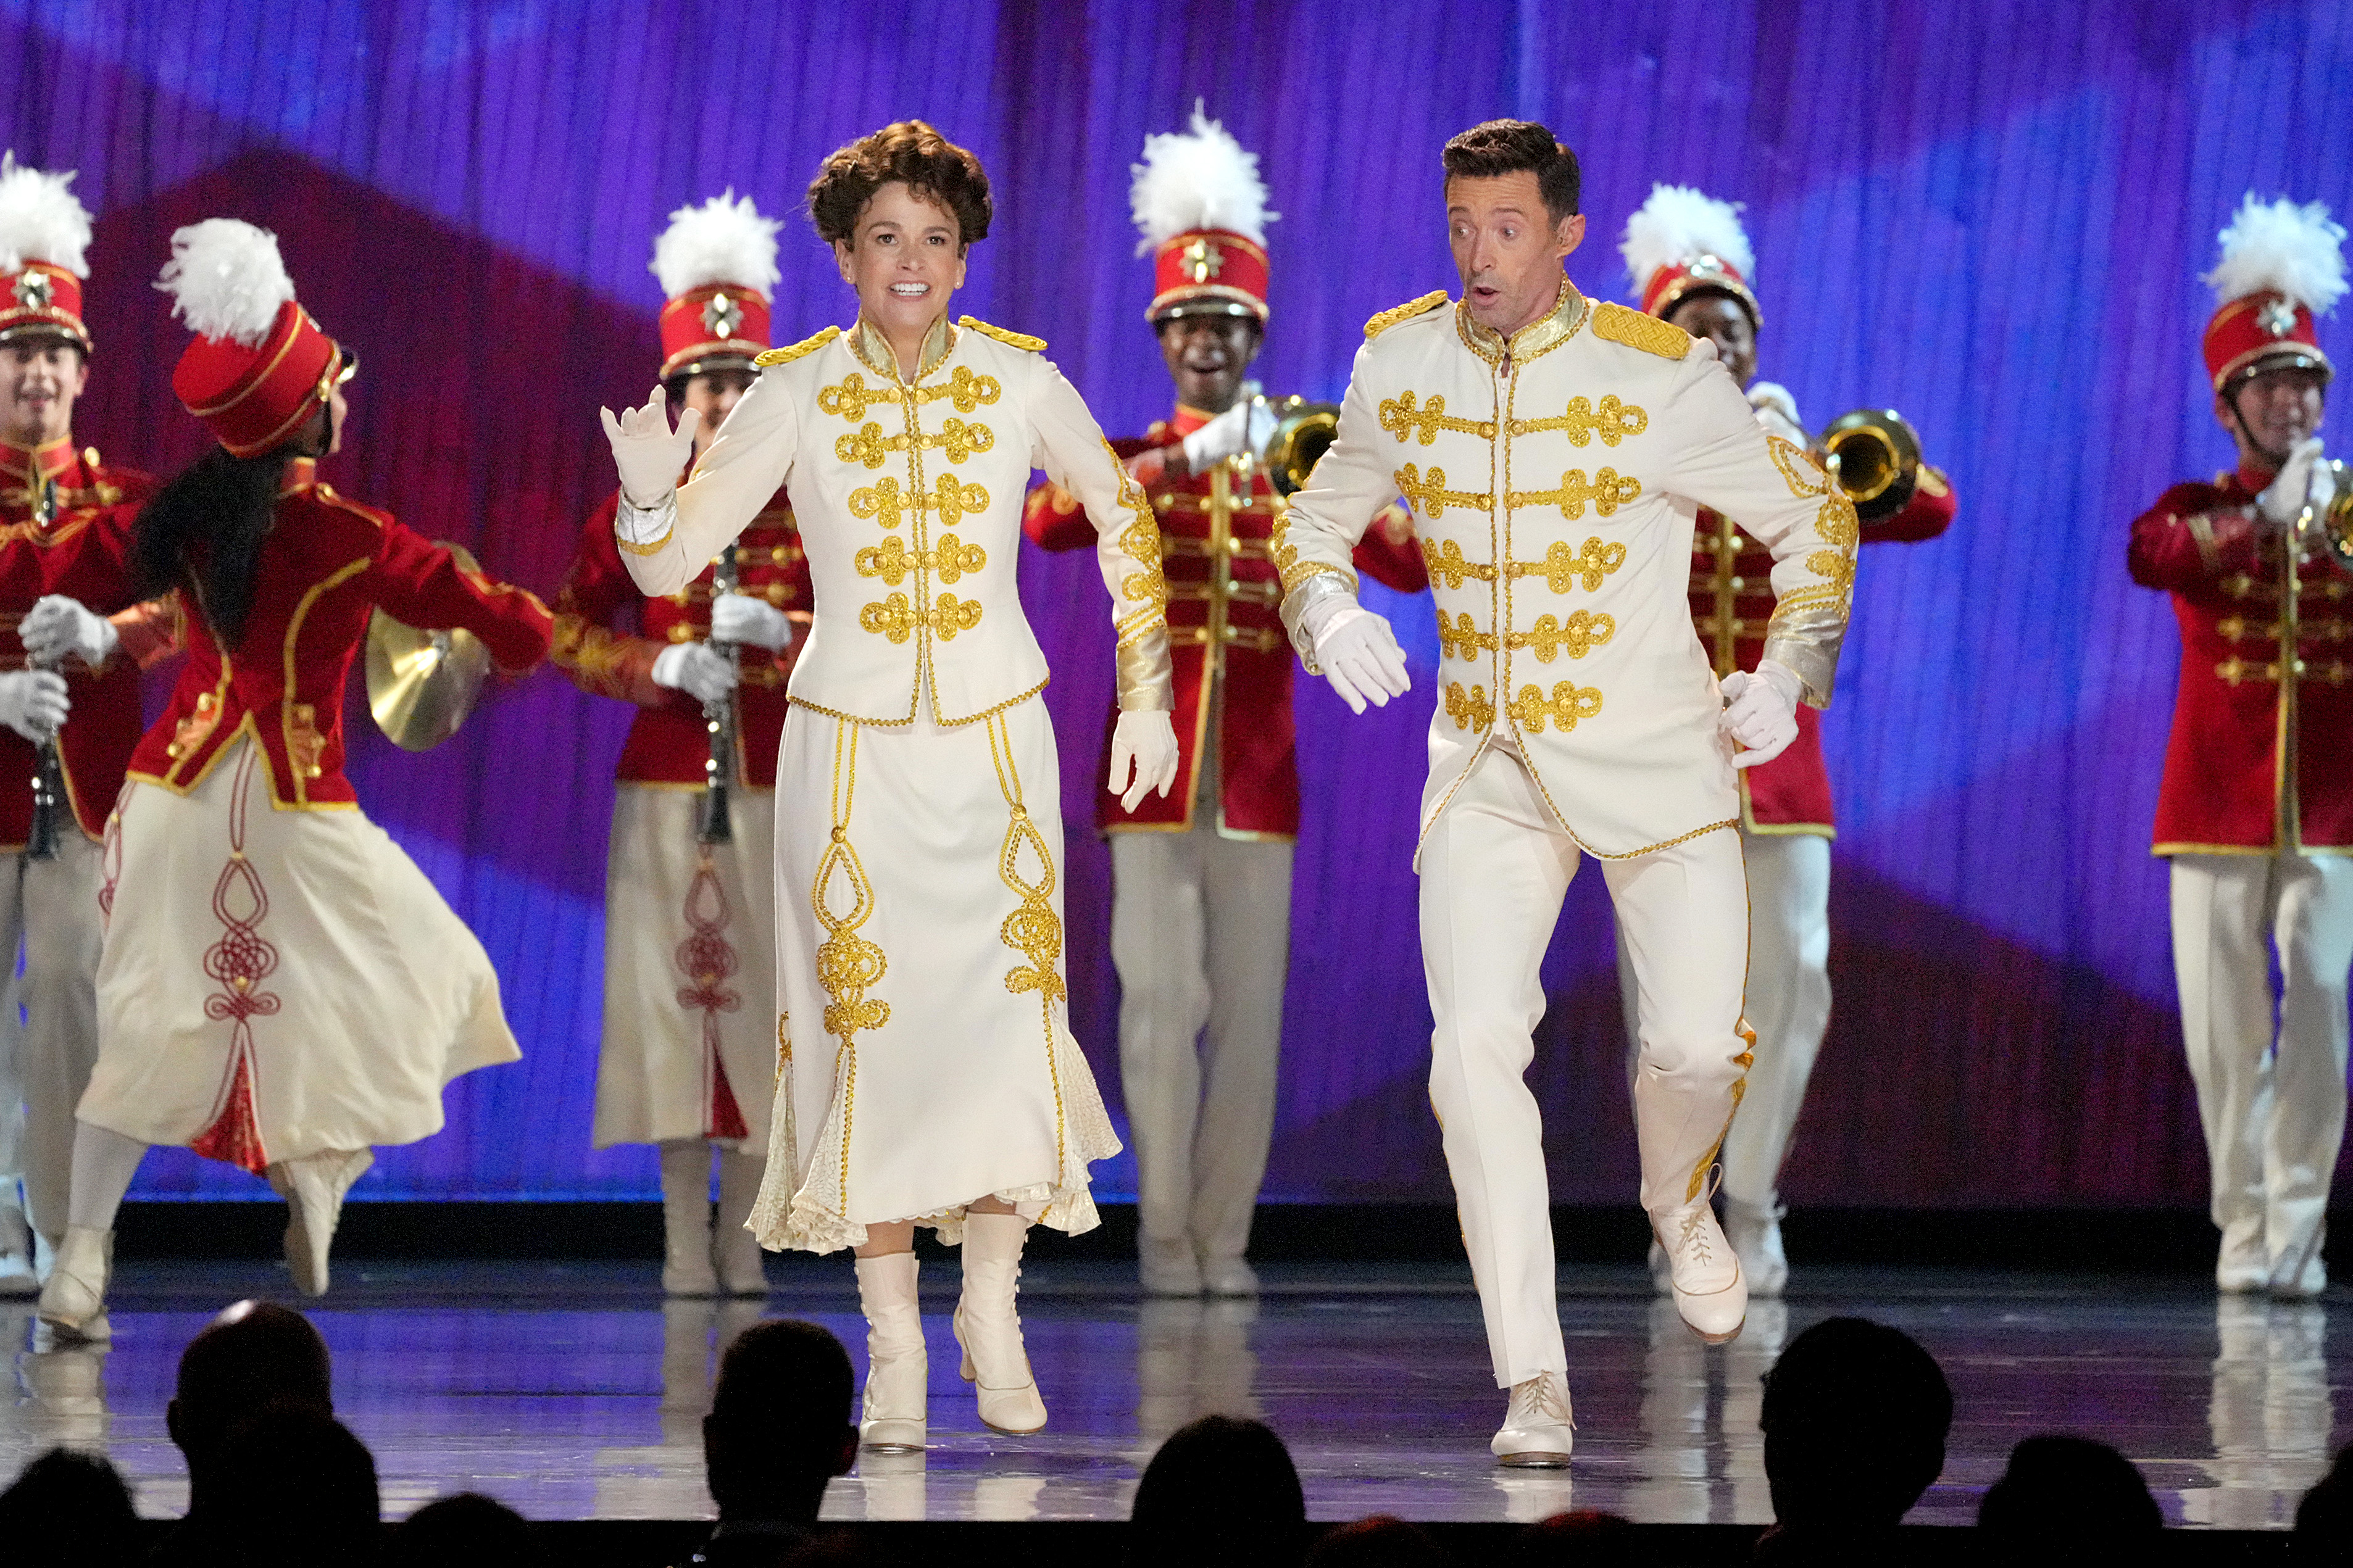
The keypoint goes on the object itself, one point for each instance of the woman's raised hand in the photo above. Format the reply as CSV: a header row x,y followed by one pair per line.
x,y
650,454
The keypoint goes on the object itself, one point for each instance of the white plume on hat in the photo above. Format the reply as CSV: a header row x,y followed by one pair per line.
x,y
40,220
2283,247
724,240
226,279
1197,179
1680,223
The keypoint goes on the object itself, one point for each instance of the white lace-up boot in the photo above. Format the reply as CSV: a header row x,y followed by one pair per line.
x,y
741,1265
988,1328
1703,1271
313,1187
74,1300
1755,1233
892,1418
1538,1428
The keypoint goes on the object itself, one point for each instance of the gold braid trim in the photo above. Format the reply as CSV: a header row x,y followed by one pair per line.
x,y
1016,340
1404,312
801,350
1637,331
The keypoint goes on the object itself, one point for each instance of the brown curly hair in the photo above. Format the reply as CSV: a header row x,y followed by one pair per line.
x,y
930,164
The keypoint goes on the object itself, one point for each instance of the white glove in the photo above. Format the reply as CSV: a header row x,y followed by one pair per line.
x,y
1359,653
1761,711
33,702
650,454
57,625
1777,411
694,669
738,618
2284,501
1143,755
1244,427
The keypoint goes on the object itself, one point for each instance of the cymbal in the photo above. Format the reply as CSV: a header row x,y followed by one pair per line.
x,y
422,683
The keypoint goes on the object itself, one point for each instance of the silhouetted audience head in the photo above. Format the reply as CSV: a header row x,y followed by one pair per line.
x,y
2324,1519
1223,1489
464,1531
2067,1499
1854,1415
1380,1540
295,1488
253,1357
779,1427
68,1508
1585,1539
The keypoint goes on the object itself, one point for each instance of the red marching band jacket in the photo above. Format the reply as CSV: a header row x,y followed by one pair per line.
x,y
607,634
2225,790
77,552
324,569
1222,583
1732,600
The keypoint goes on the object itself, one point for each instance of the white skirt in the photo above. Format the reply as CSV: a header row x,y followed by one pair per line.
x,y
927,1054
276,983
690,1047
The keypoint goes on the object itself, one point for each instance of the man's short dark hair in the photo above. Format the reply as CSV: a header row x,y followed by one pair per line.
x,y
1854,1415
780,1413
1508,146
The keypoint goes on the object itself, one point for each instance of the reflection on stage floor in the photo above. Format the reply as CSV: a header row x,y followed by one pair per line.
x,y
574,1391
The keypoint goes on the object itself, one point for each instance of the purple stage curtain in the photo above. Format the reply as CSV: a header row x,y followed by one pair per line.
x,y
1989,216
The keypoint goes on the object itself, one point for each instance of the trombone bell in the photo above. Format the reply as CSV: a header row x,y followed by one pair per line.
x,y
1874,455
1303,431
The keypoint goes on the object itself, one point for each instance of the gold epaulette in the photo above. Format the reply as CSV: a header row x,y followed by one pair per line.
x,y
792,352
1404,312
1018,340
1637,331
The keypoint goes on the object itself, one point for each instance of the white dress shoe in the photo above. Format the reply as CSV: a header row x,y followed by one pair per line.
x,y
1538,1429
995,1362
2298,1278
1709,1289
892,1416
313,1187
2242,1266
1229,1277
1168,1268
1756,1236
74,1300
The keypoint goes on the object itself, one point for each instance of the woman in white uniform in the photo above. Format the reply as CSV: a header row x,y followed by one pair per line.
x,y
929,1074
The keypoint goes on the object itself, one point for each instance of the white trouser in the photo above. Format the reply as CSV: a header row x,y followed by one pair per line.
x,y
1200,931
2272,1104
1494,870
1788,1006
52,906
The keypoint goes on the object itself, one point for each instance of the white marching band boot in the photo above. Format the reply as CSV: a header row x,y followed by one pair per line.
x,y
741,1266
313,1187
74,1300
1229,1277
1168,1268
1538,1428
16,1273
1754,1232
891,1419
1710,1290
686,1219
989,1329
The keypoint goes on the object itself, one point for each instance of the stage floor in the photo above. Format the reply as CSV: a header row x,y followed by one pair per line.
x,y
576,1391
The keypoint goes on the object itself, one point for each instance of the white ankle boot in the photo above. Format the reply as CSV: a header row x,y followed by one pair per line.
x,y
1167,1266
989,1330
313,1187
686,1219
898,1374
1703,1271
1538,1429
1754,1232
741,1265
75,1298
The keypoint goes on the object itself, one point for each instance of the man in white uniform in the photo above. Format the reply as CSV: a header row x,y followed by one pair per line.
x,y
1555,452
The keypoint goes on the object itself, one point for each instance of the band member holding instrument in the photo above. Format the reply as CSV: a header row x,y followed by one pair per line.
x,y
928,1071
688,1057
2256,812
1201,878
1553,450
56,501
1691,259
282,988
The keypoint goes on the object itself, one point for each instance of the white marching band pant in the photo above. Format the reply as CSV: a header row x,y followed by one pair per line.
x,y
1788,1006
45,1061
1494,870
2272,1104
1200,932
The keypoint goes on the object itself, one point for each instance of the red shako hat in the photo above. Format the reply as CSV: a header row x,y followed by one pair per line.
x,y
259,365
44,237
717,265
1201,208
2282,265
1682,242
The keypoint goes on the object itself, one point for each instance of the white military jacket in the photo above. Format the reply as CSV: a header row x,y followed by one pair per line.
x,y
908,497
1554,482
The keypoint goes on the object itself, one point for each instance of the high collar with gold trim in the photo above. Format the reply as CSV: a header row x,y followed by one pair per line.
x,y
1554,327
301,474
874,350
51,461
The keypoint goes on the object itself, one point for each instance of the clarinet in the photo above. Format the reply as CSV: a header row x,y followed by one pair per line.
x,y
713,826
48,772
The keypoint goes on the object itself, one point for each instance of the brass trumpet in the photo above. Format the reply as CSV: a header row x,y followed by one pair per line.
x,y
1874,455
1303,431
